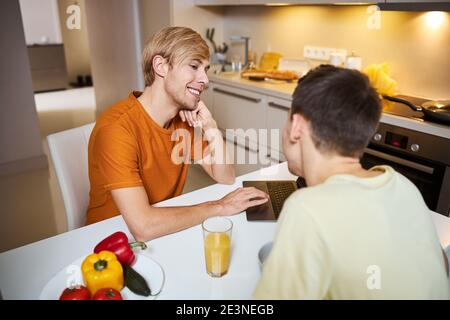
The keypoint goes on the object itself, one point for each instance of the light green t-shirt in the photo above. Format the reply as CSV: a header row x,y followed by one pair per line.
x,y
355,238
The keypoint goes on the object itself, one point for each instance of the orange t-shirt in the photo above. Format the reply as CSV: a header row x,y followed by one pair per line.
x,y
127,148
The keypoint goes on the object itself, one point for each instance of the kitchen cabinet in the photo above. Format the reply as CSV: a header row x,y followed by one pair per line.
x,y
415,5
416,1
239,110
48,67
275,3
208,99
277,113
236,108
245,159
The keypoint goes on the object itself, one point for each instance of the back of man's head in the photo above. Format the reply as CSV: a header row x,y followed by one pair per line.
x,y
342,108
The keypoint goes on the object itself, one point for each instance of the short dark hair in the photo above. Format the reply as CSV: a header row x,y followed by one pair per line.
x,y
341,106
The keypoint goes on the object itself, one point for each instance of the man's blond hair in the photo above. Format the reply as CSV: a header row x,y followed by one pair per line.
x,y
174,44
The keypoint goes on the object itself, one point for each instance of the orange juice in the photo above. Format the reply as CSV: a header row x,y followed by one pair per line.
x,y
217,253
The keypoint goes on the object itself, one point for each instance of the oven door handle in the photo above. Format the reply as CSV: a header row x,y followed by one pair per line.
x,y
400,161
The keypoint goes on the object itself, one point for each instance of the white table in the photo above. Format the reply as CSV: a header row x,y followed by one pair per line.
x,y
25,271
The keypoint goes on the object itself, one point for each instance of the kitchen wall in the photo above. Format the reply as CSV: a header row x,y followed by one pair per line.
x,y
20,144
185,13
156,14
417,52
115,46
76,43
41,22
23,165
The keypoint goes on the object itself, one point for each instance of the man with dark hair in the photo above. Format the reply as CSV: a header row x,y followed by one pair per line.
x,y
352,233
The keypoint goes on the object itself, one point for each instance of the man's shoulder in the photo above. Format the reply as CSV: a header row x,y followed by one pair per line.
x,y
121,117
120,112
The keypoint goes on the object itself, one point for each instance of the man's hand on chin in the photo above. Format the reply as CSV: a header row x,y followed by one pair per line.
x,y
200,117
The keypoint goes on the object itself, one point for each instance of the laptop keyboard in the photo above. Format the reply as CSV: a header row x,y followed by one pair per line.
x,y
278,192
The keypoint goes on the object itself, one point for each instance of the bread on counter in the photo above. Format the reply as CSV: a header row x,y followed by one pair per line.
x,y
260,74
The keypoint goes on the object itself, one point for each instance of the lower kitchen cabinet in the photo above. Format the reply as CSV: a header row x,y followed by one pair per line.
x,y
277,115
239,109
247,160
208,99
259,119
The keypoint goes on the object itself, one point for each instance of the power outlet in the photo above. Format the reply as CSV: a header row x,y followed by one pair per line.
x,y
321,53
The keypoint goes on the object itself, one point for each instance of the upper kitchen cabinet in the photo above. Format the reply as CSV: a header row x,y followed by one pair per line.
x,y
276,3
293,2
415,1
415,5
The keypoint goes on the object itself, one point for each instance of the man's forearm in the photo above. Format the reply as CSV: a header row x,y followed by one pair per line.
x,y
156,222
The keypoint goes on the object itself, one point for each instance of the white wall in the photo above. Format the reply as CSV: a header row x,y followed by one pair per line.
x,y
20,143
76,42
115,46
40,21
186,14
154,15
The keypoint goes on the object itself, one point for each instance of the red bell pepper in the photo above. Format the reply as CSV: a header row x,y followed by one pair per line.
x,y
118,244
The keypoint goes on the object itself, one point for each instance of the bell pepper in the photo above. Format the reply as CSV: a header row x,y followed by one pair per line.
x,y
118,244
102,270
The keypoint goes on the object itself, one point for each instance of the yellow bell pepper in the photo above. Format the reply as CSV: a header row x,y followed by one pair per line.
x,y
102,270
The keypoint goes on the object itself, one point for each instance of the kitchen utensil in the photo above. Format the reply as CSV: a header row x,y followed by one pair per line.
x,y
337,59
236,63
210,37
225,48
438,111
247,46
353,62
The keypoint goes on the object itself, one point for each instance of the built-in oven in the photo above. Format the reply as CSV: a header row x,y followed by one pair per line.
x,y
424,159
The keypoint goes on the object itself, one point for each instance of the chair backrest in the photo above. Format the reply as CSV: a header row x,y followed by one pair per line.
x,y
69,153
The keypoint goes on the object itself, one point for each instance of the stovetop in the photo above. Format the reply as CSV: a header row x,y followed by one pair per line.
x,y
402,110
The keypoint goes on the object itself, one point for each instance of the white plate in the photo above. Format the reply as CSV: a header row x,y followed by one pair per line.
x,y
144,265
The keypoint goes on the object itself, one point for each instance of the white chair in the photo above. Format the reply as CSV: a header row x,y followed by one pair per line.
x,y
69,153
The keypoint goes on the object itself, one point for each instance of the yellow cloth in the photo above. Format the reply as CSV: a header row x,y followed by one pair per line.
x,y
379,78
331,238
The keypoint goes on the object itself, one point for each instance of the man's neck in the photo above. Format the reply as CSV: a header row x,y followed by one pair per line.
x,y
159,106
320,167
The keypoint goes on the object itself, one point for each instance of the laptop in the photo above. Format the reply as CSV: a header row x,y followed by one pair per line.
x,y
278,191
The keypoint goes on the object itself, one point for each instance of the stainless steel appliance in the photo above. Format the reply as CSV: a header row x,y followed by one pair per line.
x,y
422,158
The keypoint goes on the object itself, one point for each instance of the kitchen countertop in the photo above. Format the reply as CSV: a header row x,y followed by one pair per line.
x,y
279,89
284,90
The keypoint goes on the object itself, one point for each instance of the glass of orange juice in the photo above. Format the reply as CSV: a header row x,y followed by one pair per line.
x,y
217,241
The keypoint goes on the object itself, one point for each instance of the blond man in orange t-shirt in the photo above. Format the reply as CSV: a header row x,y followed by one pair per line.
x,y
135,158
